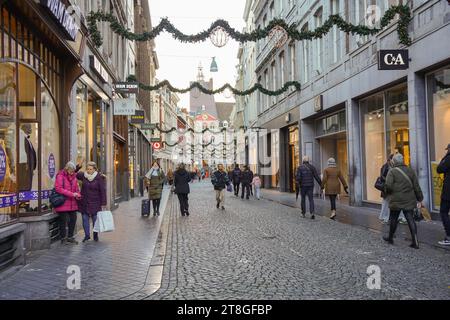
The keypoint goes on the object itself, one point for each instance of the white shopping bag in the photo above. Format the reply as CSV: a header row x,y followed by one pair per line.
x,y
105,222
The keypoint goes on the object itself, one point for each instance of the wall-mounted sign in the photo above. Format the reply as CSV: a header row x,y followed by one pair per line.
x,y
124,107
156,145
318,103
98,68
148,126
155,139
2,164
126,87
63,17
287,118
51,166
138,117
393,59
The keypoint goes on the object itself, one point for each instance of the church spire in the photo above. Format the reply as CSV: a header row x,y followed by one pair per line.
x,y
200,76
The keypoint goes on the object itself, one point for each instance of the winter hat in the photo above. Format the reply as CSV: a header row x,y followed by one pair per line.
x,y
398,159
331,162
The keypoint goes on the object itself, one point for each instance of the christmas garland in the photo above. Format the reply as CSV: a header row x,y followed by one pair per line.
x,y
204,145
197,85
197,132
165,25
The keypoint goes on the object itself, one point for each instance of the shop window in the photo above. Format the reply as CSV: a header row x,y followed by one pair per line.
x,y
275,155
438,85
8,180
81,112
397,123
27,94
372,113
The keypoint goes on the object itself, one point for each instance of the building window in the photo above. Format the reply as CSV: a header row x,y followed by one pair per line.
x,y
282,79
272,11
274,81
361,18
335,33
293,59
275,158
318,55
266,79
438,88
305,64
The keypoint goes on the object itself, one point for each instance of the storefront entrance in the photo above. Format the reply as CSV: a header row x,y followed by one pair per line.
x,y
294,155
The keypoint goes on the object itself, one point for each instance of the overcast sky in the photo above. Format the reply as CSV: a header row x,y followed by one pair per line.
x,y
178,62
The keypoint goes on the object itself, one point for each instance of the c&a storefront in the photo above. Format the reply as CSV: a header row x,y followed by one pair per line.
x,y
35,66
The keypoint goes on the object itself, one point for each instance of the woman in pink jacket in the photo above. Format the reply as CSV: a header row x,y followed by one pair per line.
x,y
67,185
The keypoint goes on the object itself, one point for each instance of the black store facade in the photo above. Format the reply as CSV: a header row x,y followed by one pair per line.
x,y
37,65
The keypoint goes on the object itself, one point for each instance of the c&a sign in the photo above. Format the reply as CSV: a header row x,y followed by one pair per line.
x,y
393,59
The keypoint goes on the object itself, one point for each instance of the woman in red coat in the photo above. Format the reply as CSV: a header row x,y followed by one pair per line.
x,y
67,185
93,197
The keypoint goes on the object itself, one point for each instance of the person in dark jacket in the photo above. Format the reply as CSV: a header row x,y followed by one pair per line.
x,y
246,181
220,181
93,197
403,191
181,183
236,179
305,176
154,179
444,168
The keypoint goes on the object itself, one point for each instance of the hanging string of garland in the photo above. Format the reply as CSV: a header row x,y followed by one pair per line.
x,y
197,85
204,145
197,132
165,25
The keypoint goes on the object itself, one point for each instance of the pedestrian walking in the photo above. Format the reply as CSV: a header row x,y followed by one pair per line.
x,y
444,168
257,184
305,176
384,214
181,182
155,181
403,191
170,177
332,180
220,181
93,197
66,184
246,180
236,179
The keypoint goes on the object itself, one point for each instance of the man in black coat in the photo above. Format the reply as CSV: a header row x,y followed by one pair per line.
x,y
305,176
236,178
444,168
181,183
246,180
220,181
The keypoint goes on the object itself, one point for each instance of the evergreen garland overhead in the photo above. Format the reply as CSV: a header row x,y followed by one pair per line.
x,y
204,145
237,92
165,25
193,131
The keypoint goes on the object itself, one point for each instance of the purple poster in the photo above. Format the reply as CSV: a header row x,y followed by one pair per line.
x,y
51,165
2,163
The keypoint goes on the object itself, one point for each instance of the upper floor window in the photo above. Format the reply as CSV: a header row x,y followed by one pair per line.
x,y
274,80
272,11
305,57
282,79
336,37
318,54
292,59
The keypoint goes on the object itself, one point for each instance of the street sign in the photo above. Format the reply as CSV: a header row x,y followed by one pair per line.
x,y
156,145
155,139
124,107
148,126
126,87
138,117
393,59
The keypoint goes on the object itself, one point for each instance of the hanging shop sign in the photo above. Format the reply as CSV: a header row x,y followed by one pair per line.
x,y
393,59
51,166
126,87
138,117
318,103
155,139
2,164
125,107
156,145
98,68
63,17
148,126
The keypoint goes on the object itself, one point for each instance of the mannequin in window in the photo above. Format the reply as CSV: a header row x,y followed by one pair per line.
x,y
27,159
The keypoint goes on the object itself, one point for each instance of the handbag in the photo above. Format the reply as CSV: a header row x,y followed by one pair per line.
x,y
229,187
425,214
104,222
417,214
379,184
57,199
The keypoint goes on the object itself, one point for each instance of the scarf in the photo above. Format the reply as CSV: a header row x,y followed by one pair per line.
x,y
90,177
152,173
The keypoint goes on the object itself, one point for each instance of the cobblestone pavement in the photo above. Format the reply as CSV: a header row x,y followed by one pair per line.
x,y
263,250
116,267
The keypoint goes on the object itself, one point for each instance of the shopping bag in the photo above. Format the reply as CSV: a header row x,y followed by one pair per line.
x,y
105,222
229,187
425,213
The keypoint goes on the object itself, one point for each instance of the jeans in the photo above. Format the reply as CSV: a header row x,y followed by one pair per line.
x,y
184,205
333,201
156,203
411,224
236,188
245,188
258,192
67,218
307,192
220,197
444,211
86,226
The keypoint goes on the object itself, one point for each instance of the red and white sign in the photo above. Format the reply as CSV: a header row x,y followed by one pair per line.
x,y
156,145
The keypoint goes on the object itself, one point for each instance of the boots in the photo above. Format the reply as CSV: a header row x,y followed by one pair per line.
x,y
392,229
333,215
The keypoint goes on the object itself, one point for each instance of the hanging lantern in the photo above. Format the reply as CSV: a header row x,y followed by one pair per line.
x,y
278,36
219,37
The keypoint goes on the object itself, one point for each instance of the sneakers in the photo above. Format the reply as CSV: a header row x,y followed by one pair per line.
x,y
217,205
303,215
388,240
86,239
95,236
402,221
223,208
333,214
445,242
313,216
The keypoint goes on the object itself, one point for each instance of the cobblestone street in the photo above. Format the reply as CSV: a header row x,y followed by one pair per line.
x,y
252,250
